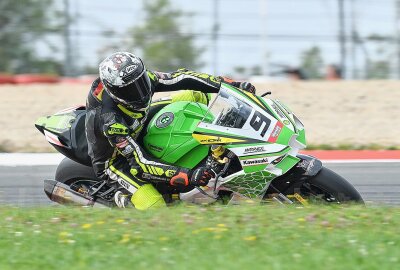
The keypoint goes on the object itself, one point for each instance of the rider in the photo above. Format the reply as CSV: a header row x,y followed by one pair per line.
x,y
117,106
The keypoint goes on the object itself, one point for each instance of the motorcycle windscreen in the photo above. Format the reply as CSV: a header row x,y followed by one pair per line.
x,y
232,119
228,111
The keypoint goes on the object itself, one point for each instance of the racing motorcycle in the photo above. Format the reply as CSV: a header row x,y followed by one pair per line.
x,y
251,142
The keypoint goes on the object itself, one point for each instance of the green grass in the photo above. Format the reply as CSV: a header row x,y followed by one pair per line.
x,y
241,237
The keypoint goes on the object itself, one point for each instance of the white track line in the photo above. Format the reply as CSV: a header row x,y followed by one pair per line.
x,y
30,159
41,159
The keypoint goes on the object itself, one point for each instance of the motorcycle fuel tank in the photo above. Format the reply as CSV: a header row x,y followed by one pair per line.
x,y
169,134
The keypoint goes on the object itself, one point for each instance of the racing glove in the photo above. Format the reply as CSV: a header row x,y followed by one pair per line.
x,y
198,177
201,176
246,86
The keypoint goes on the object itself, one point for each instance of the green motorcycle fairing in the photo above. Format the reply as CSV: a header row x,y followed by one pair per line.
x,y
182,132
169,134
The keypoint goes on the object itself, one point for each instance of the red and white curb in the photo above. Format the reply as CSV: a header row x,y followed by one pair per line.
x,y
355,156
329,156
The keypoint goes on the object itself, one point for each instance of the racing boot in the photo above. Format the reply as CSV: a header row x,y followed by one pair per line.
x,y
122,200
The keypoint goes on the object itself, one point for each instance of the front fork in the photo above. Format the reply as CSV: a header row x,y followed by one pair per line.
x,y
289,184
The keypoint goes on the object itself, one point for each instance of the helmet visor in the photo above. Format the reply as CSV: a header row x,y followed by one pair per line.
x,y
136,94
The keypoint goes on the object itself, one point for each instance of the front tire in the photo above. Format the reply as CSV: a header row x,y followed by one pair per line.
x,y
331,187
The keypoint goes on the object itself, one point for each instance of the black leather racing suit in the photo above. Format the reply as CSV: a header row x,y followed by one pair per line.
x,y
112,129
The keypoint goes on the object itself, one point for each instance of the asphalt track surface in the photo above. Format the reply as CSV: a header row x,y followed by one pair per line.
x,y
378,183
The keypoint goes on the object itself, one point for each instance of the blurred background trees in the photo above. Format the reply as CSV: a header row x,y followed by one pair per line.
x,y
270,38
160,38
311,63
22,24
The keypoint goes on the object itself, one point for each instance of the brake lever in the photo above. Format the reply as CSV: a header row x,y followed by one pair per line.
x,y
216,181
221,173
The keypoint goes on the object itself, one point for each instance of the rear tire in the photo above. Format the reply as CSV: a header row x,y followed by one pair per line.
x,y
81,178
69,170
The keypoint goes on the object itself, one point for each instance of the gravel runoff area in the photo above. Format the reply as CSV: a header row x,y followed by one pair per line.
x,y
334,113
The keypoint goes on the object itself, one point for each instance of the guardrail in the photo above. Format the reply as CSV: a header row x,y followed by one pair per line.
x,y
43,78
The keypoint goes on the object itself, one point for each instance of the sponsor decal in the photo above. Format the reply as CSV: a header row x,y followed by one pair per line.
x,y
254,149
124,184
155,148
113,131
153,177
278,111
279,159
128,150
286,122
117,129
259,161
303,164
310,167
275,132
164,120
128,186
170,173
130,69
211,140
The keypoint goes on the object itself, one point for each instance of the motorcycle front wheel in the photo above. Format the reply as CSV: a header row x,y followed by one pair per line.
x,y
325,187
331,187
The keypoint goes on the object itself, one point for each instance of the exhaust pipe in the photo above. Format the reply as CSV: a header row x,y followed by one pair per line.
x,y
62,194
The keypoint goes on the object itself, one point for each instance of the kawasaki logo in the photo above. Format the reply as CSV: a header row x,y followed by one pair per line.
x,y
164,120
155,148
255,161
